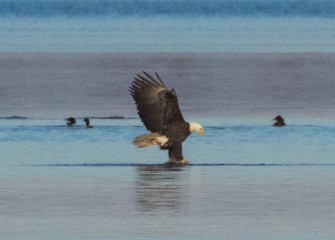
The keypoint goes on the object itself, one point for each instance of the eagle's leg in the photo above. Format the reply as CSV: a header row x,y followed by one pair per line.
x,y
175,153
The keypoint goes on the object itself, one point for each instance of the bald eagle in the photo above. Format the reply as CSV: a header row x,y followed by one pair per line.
x,y
159,111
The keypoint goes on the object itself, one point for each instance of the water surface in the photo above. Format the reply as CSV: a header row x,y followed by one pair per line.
x,y
234,64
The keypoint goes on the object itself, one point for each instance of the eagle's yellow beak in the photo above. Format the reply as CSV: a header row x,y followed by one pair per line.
x,y
202,132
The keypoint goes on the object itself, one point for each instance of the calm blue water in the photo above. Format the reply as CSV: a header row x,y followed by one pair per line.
x,y
50,142
247,180
167,26
175,8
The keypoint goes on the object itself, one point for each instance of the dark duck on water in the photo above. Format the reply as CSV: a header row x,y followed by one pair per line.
x,y
159,111
70,121
87,121
279,121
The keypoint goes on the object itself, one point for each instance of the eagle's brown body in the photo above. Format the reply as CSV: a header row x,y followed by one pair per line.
x,y
159,111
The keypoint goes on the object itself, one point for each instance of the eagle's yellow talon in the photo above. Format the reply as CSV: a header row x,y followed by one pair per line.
x,y
185,162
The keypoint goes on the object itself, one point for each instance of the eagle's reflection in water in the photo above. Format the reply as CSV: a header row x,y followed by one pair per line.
x,y
160,188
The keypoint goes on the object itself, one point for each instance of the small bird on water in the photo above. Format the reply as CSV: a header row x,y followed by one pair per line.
x,y
280,121
87,121
70,121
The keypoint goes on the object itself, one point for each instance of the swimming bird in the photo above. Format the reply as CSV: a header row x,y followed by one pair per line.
x,y
87,121
159,111
70,121
280,122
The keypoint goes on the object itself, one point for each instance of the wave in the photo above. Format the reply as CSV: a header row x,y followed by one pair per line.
x,y
116,117
194,165
14,118
145,8
112,117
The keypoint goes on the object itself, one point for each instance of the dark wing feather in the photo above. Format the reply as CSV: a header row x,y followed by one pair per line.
x,y
157,107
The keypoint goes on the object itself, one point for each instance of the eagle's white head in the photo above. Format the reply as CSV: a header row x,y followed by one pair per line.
x,y
196,127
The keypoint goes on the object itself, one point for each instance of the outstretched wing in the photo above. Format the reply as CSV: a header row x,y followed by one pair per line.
x,y
157,106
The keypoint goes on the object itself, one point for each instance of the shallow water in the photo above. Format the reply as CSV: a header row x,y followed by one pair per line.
x,y
235,65
192,203
244,182
50,142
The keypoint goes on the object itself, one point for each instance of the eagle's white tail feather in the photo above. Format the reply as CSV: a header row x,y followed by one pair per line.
x,y
150,139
